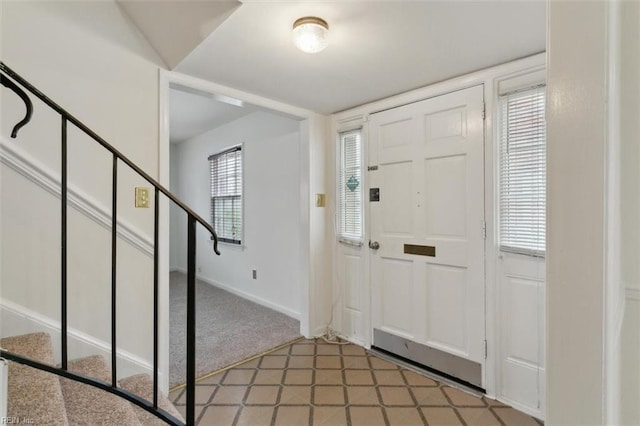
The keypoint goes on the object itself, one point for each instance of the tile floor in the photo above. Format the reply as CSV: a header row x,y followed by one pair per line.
x,y
314,383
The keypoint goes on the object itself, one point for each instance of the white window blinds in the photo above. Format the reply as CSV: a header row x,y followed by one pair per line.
x,y
523,172
226,194
350,185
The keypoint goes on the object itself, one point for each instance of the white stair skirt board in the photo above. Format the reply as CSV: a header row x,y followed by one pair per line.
x,y
4,376
16,319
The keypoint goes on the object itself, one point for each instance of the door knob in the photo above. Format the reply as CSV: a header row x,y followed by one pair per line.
x,y
374,245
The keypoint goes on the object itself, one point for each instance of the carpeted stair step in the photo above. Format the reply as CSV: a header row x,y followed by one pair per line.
x,y
87,405
142,385
33,395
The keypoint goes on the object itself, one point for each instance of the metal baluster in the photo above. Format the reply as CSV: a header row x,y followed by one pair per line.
x,y
191,319
156,215
114,222
63,243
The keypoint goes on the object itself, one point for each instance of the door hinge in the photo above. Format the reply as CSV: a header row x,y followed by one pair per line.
x,y
485,349
484,230
484,110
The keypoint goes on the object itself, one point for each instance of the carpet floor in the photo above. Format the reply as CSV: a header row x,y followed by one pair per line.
x,y
229,328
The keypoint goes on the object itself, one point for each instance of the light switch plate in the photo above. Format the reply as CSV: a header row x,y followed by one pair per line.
x,y
142,197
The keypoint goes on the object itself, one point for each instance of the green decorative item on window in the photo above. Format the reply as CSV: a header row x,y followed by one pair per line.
x,y
352,183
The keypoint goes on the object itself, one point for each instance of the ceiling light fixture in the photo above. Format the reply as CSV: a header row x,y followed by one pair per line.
x,y
311,34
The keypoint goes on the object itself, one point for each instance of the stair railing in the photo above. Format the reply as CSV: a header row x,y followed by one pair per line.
x,y
192,220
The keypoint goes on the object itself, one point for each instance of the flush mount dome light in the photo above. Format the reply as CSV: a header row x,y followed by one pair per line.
x,y
311,34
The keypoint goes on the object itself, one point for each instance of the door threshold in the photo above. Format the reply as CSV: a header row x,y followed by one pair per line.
x,y
431,373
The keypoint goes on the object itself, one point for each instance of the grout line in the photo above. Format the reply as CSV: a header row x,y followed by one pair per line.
x,y
236,364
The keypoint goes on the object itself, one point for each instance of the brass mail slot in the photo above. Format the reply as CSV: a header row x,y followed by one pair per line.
x,y
420,250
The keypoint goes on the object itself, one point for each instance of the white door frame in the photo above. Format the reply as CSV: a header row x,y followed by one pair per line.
x,y
489,78
311,135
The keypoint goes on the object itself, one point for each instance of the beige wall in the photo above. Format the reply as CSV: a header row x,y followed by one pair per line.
x,y
88,57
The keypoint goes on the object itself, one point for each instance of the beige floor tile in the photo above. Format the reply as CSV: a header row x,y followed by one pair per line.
x,y
356,362
328,362
203,393
366,416
255,416
461,398
381,364
268,377
212,380
513,417
362,395
402,416
415,379
183,410
229,395
388,377
218,416
493,402
328,349
262,395
301,361
358,377
330,416
298,377
238,377
396,396
429,396
328,377
173,396
440,416
281,351
353,350
302,349
292,416
478,417
328,395
295,395
250,364
273,361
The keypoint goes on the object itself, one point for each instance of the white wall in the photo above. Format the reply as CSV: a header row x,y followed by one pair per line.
x,y
576,204
630,210
88,57
271,209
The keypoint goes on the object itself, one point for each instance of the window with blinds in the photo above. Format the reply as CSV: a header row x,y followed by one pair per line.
x,y
350,186
523,172
226,194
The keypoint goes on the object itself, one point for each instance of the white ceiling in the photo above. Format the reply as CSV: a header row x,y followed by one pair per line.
x,y
193,113
377,48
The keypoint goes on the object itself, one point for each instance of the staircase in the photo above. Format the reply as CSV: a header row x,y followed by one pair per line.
x,y
86,391
45,398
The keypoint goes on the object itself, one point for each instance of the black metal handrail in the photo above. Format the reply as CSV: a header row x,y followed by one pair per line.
x,y
192,220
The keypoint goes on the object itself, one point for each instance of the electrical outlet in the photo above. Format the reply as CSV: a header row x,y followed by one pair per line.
x,y
255,274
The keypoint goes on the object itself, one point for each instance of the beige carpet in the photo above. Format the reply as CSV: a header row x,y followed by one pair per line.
x,y
228,328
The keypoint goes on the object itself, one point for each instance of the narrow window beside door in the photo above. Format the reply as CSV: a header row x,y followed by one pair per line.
x,y
350,186
226,194
523,172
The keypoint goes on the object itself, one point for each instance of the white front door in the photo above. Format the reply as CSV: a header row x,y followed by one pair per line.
x,y
428,272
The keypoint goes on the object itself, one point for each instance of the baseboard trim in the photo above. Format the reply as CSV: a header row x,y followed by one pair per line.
x,y
16,319
37,173
256,299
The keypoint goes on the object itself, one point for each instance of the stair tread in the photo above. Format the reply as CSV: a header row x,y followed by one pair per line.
x,y
27,385
87,405
142,385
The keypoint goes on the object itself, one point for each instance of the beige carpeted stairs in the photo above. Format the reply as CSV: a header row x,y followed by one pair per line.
x,y
47,399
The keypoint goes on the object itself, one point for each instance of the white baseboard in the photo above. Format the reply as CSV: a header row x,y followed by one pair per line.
x,y
256,299
16,320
